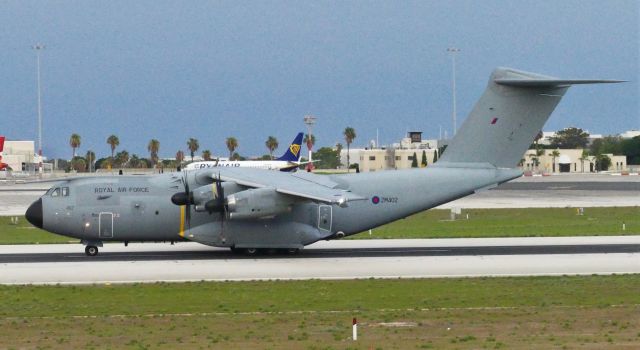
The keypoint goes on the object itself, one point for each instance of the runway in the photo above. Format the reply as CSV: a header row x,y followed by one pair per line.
x,y
345,259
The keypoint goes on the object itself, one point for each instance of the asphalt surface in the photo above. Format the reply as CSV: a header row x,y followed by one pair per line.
x,y
320,253
342,259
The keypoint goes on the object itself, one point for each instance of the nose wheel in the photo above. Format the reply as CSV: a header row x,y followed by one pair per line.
x,y
91,250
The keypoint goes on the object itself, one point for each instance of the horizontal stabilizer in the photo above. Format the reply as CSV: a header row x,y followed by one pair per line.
x,y
552,82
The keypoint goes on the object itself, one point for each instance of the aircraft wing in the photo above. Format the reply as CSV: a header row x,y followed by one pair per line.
x,y
322,190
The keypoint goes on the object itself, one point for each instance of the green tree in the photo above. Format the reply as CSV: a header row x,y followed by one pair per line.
x,y
134,161
114,142
74,142
570,138
327,158
435,155
90,158
631,149
423,163
272,145
607,144
414,160
206,155
349,135
153,147
237,156
232,144
584,156
603,162
554,154
122,158
78,164
193,146
535,157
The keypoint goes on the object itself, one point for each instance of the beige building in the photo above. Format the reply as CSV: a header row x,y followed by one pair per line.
x,y
385,159
569,161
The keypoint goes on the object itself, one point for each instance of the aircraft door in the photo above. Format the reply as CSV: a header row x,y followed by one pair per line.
x,y
324,217
105,226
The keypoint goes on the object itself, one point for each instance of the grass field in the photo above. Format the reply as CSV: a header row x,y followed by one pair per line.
x,y
437,224
25,233
531,222
524,312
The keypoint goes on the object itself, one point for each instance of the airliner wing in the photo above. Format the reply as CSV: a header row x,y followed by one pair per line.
x,y
285,183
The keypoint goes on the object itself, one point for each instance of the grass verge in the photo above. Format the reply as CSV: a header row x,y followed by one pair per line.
x,y
529,222
522,312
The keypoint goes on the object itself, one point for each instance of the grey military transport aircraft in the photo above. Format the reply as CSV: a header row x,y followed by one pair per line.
x,y
253,209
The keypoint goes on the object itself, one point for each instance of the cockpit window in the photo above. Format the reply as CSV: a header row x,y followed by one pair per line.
x,y
55,192
65,191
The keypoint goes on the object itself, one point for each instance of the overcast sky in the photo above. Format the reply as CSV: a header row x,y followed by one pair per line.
x,y
210,69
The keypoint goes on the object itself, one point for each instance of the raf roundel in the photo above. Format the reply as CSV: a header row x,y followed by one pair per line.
x,y
375,200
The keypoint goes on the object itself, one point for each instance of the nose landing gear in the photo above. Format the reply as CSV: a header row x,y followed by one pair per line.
x,y
91,247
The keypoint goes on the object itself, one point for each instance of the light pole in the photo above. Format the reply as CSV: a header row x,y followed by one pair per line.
x,y
310,121
453,52
38,48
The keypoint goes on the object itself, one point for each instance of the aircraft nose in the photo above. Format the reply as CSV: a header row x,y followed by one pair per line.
x,y
34,213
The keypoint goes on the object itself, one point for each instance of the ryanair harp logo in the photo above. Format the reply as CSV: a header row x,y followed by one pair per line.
x,y
294,149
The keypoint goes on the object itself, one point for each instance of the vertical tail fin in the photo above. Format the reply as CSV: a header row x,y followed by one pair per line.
x,y
1,143
506,119
293,152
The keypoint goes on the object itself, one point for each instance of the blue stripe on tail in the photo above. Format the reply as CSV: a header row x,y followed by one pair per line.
x,y
293,152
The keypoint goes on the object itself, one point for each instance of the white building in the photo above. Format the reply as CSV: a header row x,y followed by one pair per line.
x,y
20,155
630,134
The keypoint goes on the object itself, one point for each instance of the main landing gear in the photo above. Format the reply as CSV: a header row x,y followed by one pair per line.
x,y
91,250
267,251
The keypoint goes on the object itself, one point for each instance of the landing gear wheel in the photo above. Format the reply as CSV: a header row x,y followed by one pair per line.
x,y
91,250
251,251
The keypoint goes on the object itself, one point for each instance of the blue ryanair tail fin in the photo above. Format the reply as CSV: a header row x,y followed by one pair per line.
x,y
293,152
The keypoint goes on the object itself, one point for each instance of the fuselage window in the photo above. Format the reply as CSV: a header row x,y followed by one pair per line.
x,y
56,192
65,191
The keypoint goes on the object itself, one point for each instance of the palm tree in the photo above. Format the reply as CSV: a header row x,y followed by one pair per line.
x,y
193,146
134,161
91,158
179,157
272,144
114,142
153,147
583,157
122,158
349,135
232,144
555,154
74,142
206,154
309,141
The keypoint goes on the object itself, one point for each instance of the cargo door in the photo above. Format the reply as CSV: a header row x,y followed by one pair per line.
x,y
105,226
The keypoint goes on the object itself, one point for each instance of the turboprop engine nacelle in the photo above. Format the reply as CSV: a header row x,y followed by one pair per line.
x,y
258,203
